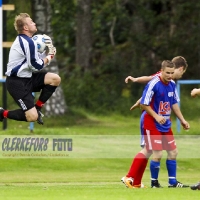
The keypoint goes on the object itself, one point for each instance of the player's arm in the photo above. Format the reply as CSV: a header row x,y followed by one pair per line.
x,y
177,111
136,105
160,119
195,92
141,79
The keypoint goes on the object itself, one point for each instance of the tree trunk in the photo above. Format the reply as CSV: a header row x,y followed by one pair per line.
x,y
42,17
84,34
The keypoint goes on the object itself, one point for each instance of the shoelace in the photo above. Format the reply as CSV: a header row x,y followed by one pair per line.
x,y
179,184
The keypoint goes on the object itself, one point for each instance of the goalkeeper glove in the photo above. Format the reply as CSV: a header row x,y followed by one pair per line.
x,y
51,52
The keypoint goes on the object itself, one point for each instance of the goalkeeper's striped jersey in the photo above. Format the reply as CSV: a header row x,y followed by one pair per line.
x,y
24,58
160,97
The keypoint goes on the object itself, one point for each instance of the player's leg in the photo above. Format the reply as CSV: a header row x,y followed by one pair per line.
x,y
155,168
139,163
153,141
27,112
32,115
48,82
18,114
141,159
137,168
170,145
20,90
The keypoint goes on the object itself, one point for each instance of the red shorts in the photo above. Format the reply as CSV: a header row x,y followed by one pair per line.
x,y
155,140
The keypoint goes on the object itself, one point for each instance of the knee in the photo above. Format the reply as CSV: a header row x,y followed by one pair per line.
x,y
32,117
52,79
173,154
56,80
146,153
157,155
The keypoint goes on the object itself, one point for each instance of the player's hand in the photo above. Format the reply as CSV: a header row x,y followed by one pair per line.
x,y
194,92
185,125
136,105
47,39
160,119
130,78
51,50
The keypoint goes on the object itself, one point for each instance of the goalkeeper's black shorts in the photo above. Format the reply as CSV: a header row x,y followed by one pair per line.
x,y
21,89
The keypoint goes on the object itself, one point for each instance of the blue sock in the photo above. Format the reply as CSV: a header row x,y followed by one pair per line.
x,y
171,168
154,168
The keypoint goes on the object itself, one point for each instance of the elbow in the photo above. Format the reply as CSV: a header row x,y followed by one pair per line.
x,y
142,106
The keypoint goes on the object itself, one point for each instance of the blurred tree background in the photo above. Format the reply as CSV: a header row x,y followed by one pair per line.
x,y
99,43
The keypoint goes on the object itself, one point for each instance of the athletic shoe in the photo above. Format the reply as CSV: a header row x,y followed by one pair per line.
x,y
155,184
178,184
195,187
128,182
40,116
1,114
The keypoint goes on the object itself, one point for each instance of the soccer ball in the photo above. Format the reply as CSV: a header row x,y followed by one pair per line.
x,y
40,41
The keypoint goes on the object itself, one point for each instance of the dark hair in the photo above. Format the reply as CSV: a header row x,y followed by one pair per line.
x,y
180,61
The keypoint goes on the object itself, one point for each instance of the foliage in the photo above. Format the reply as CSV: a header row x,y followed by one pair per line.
x,y
101,93
145,33
20,6
64,27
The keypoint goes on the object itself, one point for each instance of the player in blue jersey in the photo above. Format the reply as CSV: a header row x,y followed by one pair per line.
x,y
139,163
159,98
24,74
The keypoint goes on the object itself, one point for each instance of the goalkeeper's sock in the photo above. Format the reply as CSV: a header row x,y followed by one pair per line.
x,y
39,104
46,93
18,114
154,168
171,168
137,168
5,113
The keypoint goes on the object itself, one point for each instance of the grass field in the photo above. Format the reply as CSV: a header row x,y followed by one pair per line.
x,y
93,177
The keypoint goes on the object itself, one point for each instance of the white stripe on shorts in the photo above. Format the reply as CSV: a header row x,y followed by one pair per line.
x,y
149,139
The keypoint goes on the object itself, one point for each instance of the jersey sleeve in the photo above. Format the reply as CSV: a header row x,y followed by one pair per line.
x,y
149,91
176,96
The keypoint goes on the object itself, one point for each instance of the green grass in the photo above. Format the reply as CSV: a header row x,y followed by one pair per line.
x,y
86,179
93,178
91,191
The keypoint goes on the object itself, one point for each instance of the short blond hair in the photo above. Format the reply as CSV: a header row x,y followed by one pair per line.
x,y
20,22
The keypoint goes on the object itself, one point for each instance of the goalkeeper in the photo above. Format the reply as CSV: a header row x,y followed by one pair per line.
x,y
24,73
